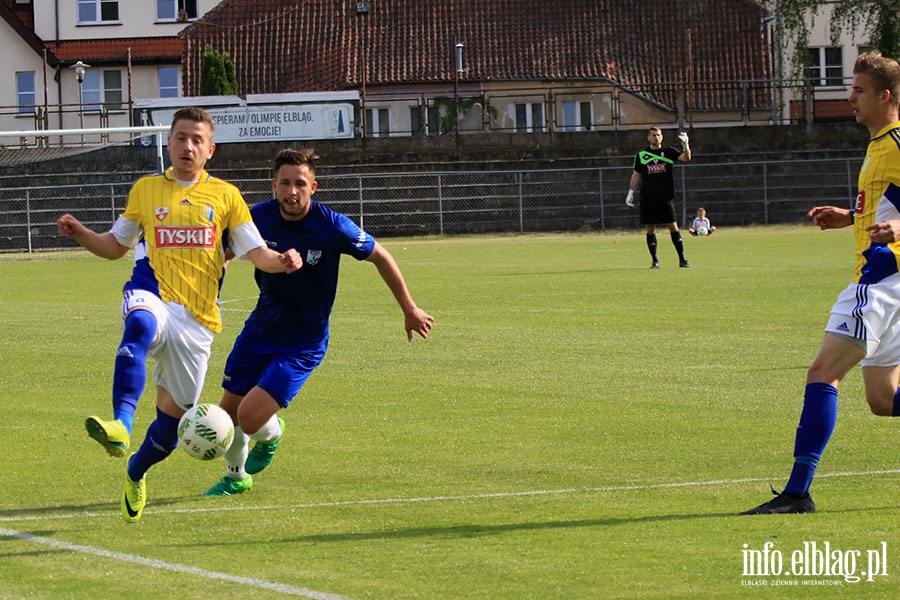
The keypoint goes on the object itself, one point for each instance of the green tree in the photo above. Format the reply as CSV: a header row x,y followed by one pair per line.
x,y
217,74
881,19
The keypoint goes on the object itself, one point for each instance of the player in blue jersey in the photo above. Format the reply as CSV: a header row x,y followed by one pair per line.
x,y
864,326
654,175
175,223
285,337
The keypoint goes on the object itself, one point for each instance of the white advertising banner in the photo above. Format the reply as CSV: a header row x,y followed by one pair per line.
x,y
276,123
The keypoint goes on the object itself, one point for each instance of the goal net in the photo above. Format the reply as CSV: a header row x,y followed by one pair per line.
x,y
85,172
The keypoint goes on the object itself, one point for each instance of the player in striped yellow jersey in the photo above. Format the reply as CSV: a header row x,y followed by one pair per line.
x,y
864,326
175,223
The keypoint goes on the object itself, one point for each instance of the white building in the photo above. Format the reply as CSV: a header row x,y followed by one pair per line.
x,y
130,50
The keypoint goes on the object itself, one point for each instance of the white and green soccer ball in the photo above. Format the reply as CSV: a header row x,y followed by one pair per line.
x,y
702,231
205,432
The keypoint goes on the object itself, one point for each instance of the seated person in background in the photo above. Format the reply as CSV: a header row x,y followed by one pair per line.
x,y
701,224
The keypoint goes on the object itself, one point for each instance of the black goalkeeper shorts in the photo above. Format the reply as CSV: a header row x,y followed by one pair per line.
x,y
657,212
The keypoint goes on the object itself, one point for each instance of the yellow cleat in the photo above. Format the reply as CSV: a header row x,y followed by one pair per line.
x,y
134,498
112,435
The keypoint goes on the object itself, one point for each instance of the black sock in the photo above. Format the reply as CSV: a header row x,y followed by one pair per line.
x,y
678,243
651,246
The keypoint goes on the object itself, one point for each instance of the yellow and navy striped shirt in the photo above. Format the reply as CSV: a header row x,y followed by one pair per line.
x,y
878,199
181,248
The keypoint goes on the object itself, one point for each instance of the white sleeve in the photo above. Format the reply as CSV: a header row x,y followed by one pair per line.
x,y
244,238
126,232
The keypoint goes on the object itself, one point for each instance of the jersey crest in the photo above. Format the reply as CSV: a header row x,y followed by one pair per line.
x,y
161,213
313,256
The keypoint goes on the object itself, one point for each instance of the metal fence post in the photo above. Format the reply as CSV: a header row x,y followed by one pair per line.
x,y
360,192
850,191
602,205
440,195
521,204
28,217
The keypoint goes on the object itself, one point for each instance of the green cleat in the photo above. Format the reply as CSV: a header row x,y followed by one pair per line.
x,y
112,435
262,453
134,498
230,487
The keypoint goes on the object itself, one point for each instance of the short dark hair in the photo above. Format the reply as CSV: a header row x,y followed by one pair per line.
x,y
197,115
289,156
885,72
655,128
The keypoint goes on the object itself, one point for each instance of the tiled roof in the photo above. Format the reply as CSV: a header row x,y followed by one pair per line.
x,y
281,46
115,51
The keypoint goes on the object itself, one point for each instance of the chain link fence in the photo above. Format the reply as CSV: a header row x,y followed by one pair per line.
x,y
481,202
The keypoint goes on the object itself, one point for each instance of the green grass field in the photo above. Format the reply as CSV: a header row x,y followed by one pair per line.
x,y
576,426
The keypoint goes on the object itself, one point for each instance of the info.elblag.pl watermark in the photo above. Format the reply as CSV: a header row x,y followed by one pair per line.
x,y
814,563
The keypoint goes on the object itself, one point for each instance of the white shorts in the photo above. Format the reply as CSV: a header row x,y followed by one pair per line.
x,y
181,349
870,313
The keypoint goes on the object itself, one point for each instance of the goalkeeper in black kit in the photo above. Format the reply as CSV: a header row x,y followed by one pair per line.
x,y
655,177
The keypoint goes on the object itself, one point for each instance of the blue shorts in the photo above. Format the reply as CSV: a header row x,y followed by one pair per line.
x,y
281,375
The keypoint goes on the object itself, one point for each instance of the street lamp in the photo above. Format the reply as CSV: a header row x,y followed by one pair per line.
x,y
362,9
459,71
79,77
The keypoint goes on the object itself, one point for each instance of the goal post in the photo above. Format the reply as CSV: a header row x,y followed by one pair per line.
x,y
78,140
87,172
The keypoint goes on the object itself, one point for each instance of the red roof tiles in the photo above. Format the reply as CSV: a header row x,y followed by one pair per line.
x,y
115,51
283,46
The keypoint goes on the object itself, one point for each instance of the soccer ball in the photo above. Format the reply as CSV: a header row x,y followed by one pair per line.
x,y
702,231
205,432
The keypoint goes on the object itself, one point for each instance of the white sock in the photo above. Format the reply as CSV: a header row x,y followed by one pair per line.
x,y
236,456
269,432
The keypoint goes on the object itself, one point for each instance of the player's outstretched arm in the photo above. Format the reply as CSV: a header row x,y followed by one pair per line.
x,y
104,245
415,319
266,259
831,217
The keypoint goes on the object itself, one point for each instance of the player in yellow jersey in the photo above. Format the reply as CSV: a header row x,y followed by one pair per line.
x,y
864,326
175,223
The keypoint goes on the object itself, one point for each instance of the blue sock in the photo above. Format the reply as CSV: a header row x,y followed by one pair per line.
x,y
130,373
895,412
160,441
817,422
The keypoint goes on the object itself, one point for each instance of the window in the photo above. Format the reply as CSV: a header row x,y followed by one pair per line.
x,y
25,93
378,123
98,11
577,115
825,66
101,87
529,117
176,10
112,89
417,124
434,119
168,82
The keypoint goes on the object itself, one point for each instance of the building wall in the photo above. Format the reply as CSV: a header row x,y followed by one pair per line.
x,y
26,60
58,20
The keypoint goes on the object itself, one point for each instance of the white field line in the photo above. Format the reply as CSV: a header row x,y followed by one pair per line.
x,y
223,308
448,498
167,566
317,595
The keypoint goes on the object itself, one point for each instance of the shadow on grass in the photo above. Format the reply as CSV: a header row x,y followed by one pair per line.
x,y
473,531
67,511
